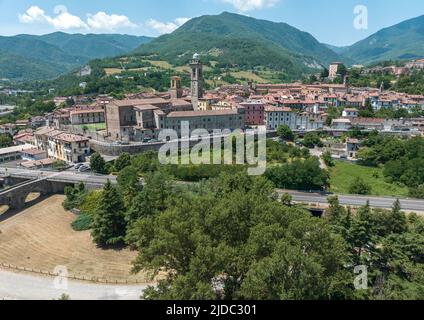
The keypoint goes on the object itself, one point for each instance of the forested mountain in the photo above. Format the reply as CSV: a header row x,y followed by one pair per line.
x,y
224,41
94,45
27,57
232,39
403,41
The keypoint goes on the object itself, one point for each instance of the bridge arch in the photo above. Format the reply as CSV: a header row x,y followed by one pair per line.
x,y
15,197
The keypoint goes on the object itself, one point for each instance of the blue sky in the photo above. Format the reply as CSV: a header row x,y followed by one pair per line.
x,y
330,21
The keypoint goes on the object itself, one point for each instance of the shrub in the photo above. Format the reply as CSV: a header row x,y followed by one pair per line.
x,y
359,186
285,133
90,202
311,140
328,159
299,175
82,223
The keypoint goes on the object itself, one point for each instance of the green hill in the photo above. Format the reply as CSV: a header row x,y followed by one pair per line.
x,y
27,57
233,39
94,45
403,41
17,67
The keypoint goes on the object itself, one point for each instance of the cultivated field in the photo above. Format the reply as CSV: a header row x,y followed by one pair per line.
x,y
112,71
41,238
248,75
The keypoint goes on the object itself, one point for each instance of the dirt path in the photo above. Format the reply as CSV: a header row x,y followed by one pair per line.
x,y
15,286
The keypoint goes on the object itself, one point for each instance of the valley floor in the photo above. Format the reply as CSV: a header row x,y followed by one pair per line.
x,y
41,238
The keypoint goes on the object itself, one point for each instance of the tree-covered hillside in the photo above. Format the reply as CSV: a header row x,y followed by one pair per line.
x,y
232,39
27,57
403,41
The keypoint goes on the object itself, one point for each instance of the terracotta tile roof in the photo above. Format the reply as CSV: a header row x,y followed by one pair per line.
x,y
208,113
87,111
43,131
33,151
277,109
138,102
367,120
68,137
145,107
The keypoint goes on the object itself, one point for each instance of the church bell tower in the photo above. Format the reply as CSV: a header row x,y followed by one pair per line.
x,y
176,89
196,80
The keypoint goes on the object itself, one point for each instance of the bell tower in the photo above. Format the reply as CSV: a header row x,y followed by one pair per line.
x,y
176,89
196,80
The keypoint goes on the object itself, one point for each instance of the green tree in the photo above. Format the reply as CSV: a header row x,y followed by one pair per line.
x,y
328,159
287,199
74,196
227,235
368,111
129,184
123,161
108,227
299,175
398,221
335,211
151,200
97,163
311,140
6,140
359,186
285,133
361,234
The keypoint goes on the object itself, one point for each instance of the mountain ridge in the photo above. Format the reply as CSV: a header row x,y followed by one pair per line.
x,y
48,56
234,39
402,41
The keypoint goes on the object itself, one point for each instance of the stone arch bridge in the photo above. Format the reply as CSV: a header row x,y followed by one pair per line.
x,y
15,196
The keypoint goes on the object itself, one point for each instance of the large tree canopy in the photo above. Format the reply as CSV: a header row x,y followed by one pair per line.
x,y
232,235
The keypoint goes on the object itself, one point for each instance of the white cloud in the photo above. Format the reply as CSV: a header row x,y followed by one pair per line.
x,y
33,14
166,27
103,21
63,20
249,5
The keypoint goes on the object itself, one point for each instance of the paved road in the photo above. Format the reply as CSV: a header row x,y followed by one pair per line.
x,y
349,200
65,176
352,200
15,286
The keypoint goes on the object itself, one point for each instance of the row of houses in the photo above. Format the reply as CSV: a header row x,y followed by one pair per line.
x,y
62,146
407,127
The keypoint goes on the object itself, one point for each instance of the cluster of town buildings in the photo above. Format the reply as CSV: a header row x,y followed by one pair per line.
x,y
141,117
396,70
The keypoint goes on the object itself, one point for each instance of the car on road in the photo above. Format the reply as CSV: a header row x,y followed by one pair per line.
x,y
78,165
84,168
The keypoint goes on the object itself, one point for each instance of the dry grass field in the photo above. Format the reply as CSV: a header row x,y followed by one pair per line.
x,y
248,75
112,71
160,64
41,237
